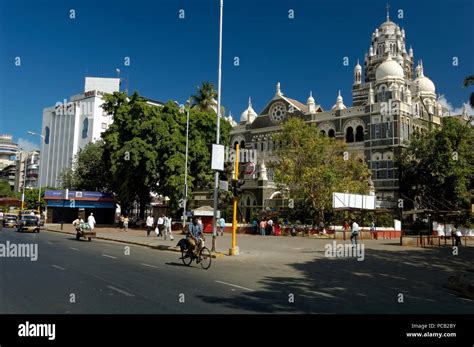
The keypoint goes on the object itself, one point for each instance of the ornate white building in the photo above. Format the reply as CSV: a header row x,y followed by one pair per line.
x,y
390,102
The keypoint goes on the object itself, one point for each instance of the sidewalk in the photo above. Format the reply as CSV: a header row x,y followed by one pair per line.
x,y
132,236
267,249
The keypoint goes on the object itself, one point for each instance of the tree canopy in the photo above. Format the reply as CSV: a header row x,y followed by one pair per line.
x,y
89,171
205,99
144,148
5,190
312,166
437,168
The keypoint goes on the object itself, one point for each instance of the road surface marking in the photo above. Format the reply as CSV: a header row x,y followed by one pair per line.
x,y
234,285
109,256
48,242
58,267
120,291
156,267
74,249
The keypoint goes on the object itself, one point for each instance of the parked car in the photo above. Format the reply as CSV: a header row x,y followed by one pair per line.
x,y
28,223
9,221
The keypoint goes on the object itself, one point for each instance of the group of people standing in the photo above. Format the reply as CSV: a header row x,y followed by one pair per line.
x,y
266,227
162,226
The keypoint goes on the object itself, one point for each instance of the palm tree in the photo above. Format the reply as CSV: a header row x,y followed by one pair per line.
x,y
467,82
205,99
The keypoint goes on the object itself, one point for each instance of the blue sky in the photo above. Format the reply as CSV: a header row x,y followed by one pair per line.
x,y
169,56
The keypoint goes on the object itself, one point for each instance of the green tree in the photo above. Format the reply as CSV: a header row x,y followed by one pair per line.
x,y
469,80
5,190
145,149
312,166
31,199
437,168
128,147
89,171
205,99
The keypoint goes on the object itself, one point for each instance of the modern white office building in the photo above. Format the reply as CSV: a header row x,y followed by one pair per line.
x,y
70,125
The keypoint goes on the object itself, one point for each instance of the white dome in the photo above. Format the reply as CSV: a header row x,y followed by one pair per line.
x,y
389,68
244,116
357,67
310,98
424,84
249,114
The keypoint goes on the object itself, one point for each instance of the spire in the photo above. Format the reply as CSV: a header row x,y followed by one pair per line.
x,y
250,101
311,104
278,90
388,12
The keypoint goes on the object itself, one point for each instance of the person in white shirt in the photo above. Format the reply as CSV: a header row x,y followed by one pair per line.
x,y
354,233
150,221
160,226
270,226
167,226
91,221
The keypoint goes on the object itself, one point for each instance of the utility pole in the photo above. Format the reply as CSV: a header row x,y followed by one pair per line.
x,y
216,175
185,198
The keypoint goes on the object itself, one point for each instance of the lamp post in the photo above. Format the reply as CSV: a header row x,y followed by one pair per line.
x,y
216,175
24,182
38,179
185,197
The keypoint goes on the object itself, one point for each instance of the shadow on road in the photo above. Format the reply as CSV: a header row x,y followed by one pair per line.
x,y
177,264
385,282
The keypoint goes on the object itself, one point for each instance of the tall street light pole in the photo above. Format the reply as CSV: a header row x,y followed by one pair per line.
x,y
185,198
24,181
38,179
216,175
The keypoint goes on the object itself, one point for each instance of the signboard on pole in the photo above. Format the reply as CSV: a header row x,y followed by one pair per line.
x,y
353,201
217,157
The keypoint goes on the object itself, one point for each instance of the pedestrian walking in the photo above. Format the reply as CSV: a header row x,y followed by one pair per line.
x,y
456,234
373,230
354,233
160,225
125,223
150,221
263,226
91,221
167,227
221,225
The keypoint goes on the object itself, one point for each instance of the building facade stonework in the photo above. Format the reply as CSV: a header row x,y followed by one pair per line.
x,y
390,101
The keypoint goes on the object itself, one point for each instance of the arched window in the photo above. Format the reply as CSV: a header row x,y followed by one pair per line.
x,y
235,144
382,94
46,135
242,144
359,134
350,134
332,133
323,132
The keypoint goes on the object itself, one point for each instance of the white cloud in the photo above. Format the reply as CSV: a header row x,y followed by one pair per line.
x,y
455,111
27,145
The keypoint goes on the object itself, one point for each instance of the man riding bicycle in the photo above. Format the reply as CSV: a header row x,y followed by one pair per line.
x,y
195,237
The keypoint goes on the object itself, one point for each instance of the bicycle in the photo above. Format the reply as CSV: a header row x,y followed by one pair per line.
x,y
203,257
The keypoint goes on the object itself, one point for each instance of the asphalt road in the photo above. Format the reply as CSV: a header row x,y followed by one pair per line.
x,y
103,279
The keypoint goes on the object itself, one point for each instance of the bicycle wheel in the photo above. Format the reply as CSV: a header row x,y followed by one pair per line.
x,y
186,257
205,258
